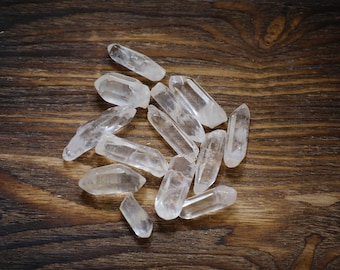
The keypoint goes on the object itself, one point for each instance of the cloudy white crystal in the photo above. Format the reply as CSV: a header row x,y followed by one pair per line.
x,y
135,61
237,136
195,98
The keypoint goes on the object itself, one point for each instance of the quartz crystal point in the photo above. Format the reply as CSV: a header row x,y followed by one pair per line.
x,y
111,179
171,133
237,136
134,154
120,89
88,134
174,188
209,160
201,104
170,104
135,61
136,216
211,200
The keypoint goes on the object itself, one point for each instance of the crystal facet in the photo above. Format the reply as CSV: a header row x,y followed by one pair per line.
x,y
169,102
209,160
211,200
237,136
171,133
195,98
135,61
136,216
134,154
88,134
120,89
174,188
111,179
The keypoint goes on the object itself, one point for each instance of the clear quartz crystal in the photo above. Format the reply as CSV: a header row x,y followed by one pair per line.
x,y
134,154
237,136
111,179
136,216
170,104
135,61
211,200
174,188
120,89
195,98
88,134
171,133
209,160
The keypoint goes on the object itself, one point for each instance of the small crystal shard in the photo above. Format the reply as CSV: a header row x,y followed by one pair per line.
x,y
111,179
195,98
237,136
134,154
135,61
136,216
170,104
120,89
174,188
88,134
209,160
171,133
211,200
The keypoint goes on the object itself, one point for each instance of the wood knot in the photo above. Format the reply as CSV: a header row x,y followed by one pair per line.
x,y
273,32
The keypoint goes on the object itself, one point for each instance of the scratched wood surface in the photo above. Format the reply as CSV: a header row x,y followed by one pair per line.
x,y
281,58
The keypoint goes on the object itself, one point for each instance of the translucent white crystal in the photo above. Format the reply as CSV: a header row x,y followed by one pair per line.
x,y
135,61
209,160
170,104
111,179
174,188
136,216
171,133
237,136
211,200
131,153
120,89
195,98
88,134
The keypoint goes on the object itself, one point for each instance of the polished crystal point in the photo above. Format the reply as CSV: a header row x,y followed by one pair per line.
x,y
174,188
237,136
171,133
135,61
88,134
111,179
195,98
131,153
136,216
170,104
120,89
211,200
209,160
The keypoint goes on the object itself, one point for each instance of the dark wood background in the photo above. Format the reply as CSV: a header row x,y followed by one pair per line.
x,y
279,57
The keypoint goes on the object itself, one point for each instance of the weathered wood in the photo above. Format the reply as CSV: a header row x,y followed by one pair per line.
x,y
281,58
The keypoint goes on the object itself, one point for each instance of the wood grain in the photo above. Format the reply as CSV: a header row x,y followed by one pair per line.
x,y
281,58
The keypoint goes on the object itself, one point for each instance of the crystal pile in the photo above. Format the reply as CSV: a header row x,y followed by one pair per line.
x,y
185,107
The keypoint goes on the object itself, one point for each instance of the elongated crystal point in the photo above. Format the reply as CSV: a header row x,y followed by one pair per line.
x,y
134,154
174,188
209,160
171,133
120,89
135,61
170,104
136,216
88,134
211,200
237,136
201,104
111,179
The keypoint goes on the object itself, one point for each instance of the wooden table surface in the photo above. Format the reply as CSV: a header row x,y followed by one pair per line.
x,y
279,57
